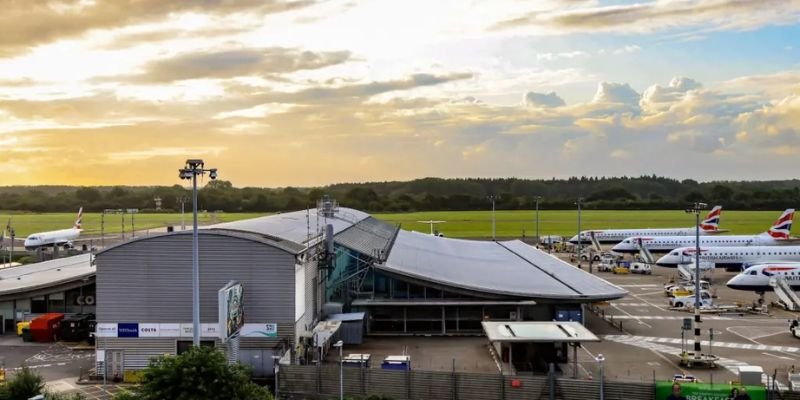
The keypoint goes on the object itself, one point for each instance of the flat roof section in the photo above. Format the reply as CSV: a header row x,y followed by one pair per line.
x,y
370,237
537,332
45,274
295,226
509,268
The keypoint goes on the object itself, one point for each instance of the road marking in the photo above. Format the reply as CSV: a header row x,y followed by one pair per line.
x,y
633,317
631,304
643,285
729,364
716,344
777,356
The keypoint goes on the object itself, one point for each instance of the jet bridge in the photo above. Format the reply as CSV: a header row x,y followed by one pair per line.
x,y
785,293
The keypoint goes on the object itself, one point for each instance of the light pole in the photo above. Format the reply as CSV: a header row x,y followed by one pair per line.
x,y
182,200
340,344
600,360
537,199
192,169
493,198
695,209
580,239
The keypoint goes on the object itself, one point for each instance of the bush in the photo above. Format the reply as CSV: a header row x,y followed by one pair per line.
x,y
200,373
22,385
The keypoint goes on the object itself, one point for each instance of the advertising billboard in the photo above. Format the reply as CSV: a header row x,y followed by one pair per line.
x,y
706,391
231,309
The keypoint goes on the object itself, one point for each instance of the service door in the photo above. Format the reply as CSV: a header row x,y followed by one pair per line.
x,y
115,359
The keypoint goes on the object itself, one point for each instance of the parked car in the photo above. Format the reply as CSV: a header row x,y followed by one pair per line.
x,y
685,301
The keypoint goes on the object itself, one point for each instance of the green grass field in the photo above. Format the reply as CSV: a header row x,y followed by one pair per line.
x,y
27,223
478,224
463,224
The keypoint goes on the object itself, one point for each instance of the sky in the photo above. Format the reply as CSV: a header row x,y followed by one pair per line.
x,y
312,92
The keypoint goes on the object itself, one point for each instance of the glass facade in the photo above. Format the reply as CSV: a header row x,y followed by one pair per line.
x,y
423,309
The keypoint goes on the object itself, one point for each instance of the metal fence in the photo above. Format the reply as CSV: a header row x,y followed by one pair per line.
x,y
315,382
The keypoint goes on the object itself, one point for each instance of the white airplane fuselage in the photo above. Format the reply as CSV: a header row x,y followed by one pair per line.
x,y
52,238
756,277
668,243
618,235
731,256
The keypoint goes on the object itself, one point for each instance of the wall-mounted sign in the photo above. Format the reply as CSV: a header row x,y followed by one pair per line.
x,y
169,330
209,330
187,330
148,330
259,330
106,330
127,330
231,309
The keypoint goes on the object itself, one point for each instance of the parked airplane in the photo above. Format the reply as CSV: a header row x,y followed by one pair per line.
x,y
731,257
62,237
756,277
778,234
708,226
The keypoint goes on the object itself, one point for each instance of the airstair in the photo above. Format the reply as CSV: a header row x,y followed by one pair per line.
x,y
644,253
787,296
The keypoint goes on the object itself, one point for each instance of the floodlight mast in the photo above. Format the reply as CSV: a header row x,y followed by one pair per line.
x,y
193,168
696,209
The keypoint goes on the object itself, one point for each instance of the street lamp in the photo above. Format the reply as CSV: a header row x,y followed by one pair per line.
x,y
537,199
493,198
192,169
600,360
339,344
580,239
696,209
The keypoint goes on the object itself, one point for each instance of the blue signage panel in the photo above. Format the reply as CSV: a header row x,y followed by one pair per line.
x,y
128,330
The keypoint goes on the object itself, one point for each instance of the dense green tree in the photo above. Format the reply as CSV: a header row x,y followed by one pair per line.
x,y
200,373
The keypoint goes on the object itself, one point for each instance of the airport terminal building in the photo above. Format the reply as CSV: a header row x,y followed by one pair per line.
x,y
294,276
64,285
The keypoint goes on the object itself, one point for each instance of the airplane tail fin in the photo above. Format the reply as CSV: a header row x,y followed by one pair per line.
x,y
78,221
782,228
711,223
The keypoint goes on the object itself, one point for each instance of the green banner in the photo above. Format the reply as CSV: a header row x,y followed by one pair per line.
x,y
707,391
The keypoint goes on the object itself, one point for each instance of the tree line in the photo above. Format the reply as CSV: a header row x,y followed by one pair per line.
x,y
427,194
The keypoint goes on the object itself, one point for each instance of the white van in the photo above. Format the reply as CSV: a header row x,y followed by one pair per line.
x,y
641,268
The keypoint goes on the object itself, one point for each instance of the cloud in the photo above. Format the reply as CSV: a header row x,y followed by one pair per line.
x,y
534,99
676,89
401,134
612,92
656,16
558,56
627,49
25,23
242,62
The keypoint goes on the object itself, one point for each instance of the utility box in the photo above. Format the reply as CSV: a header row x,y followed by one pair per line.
x,y
750,374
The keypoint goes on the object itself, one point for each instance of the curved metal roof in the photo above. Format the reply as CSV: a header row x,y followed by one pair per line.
x,y
296,226
510,268
45,274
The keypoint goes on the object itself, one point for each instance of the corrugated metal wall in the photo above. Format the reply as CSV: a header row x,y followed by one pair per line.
x,y
310,382
150,281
